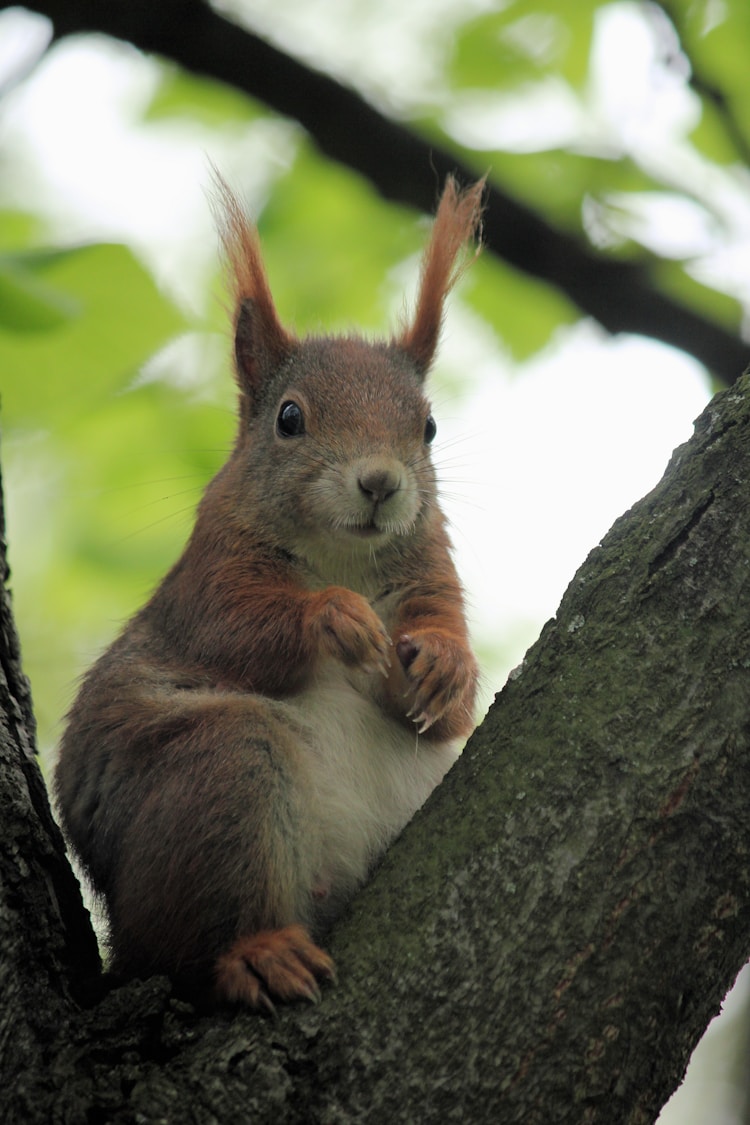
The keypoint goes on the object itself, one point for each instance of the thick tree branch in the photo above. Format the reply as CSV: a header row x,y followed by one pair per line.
x,y
47,947
622,296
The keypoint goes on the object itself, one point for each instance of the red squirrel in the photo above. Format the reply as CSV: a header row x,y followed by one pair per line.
x,y
243,753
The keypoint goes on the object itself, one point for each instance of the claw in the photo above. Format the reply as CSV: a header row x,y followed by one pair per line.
x,y
313,994
264,1001
282,962
424,721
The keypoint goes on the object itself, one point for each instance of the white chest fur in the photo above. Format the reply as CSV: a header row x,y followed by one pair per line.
x,y
366,776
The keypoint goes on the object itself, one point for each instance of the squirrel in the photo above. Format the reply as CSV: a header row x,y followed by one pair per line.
x,y
239,758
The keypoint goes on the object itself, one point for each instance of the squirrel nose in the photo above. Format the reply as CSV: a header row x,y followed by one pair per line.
x,y
379,484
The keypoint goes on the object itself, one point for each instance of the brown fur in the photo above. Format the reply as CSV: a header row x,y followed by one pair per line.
x,y
242,753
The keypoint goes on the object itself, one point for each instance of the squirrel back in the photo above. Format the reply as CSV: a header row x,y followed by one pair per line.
x,y
293,690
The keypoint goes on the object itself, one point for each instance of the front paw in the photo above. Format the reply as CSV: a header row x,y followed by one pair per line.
x,y
442,675
350,630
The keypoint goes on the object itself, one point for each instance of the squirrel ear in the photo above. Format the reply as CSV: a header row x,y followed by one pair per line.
x,y
261,342
457,220
260,345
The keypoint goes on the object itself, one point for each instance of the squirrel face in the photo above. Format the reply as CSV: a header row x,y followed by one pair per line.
x,y
341,435
332,456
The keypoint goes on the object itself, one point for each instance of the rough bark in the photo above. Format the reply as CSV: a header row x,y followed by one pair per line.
x,y
549,937
46,944
622,296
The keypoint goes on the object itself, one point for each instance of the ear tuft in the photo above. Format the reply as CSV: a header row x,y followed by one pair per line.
x,y
261,341
457,220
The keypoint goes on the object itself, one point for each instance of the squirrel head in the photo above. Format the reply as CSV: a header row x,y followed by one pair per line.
x,y
335,431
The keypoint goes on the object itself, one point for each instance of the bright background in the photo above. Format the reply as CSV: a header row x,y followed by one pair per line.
x,y
117,402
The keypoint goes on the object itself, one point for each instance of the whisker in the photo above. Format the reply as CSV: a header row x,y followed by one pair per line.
x,y
155,523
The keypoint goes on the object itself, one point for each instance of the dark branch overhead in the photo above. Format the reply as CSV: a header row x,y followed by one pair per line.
x,y
622,296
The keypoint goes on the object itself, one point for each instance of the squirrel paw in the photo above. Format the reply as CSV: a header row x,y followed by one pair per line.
x,y
442,676
282,963
350,630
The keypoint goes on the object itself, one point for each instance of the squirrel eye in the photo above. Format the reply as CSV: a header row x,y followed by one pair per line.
x,y
430,429
290,422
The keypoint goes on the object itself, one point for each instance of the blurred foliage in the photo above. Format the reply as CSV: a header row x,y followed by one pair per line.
x,y
84,320
502,49
329,243
715,38
78,422
105,454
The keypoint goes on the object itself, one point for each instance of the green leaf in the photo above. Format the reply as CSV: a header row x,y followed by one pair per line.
x,y
711,138
673,278
26,303
330,242
482,57
120,319
201,100
715,38
499,50
579,25
18,229
524,312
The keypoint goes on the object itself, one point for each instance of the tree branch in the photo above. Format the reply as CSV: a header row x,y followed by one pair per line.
x,y
622,296
47,946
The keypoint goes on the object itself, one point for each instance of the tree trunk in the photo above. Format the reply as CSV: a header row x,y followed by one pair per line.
x,y
46,942
548,938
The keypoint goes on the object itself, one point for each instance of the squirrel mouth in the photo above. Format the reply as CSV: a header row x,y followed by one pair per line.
x,y
366,532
